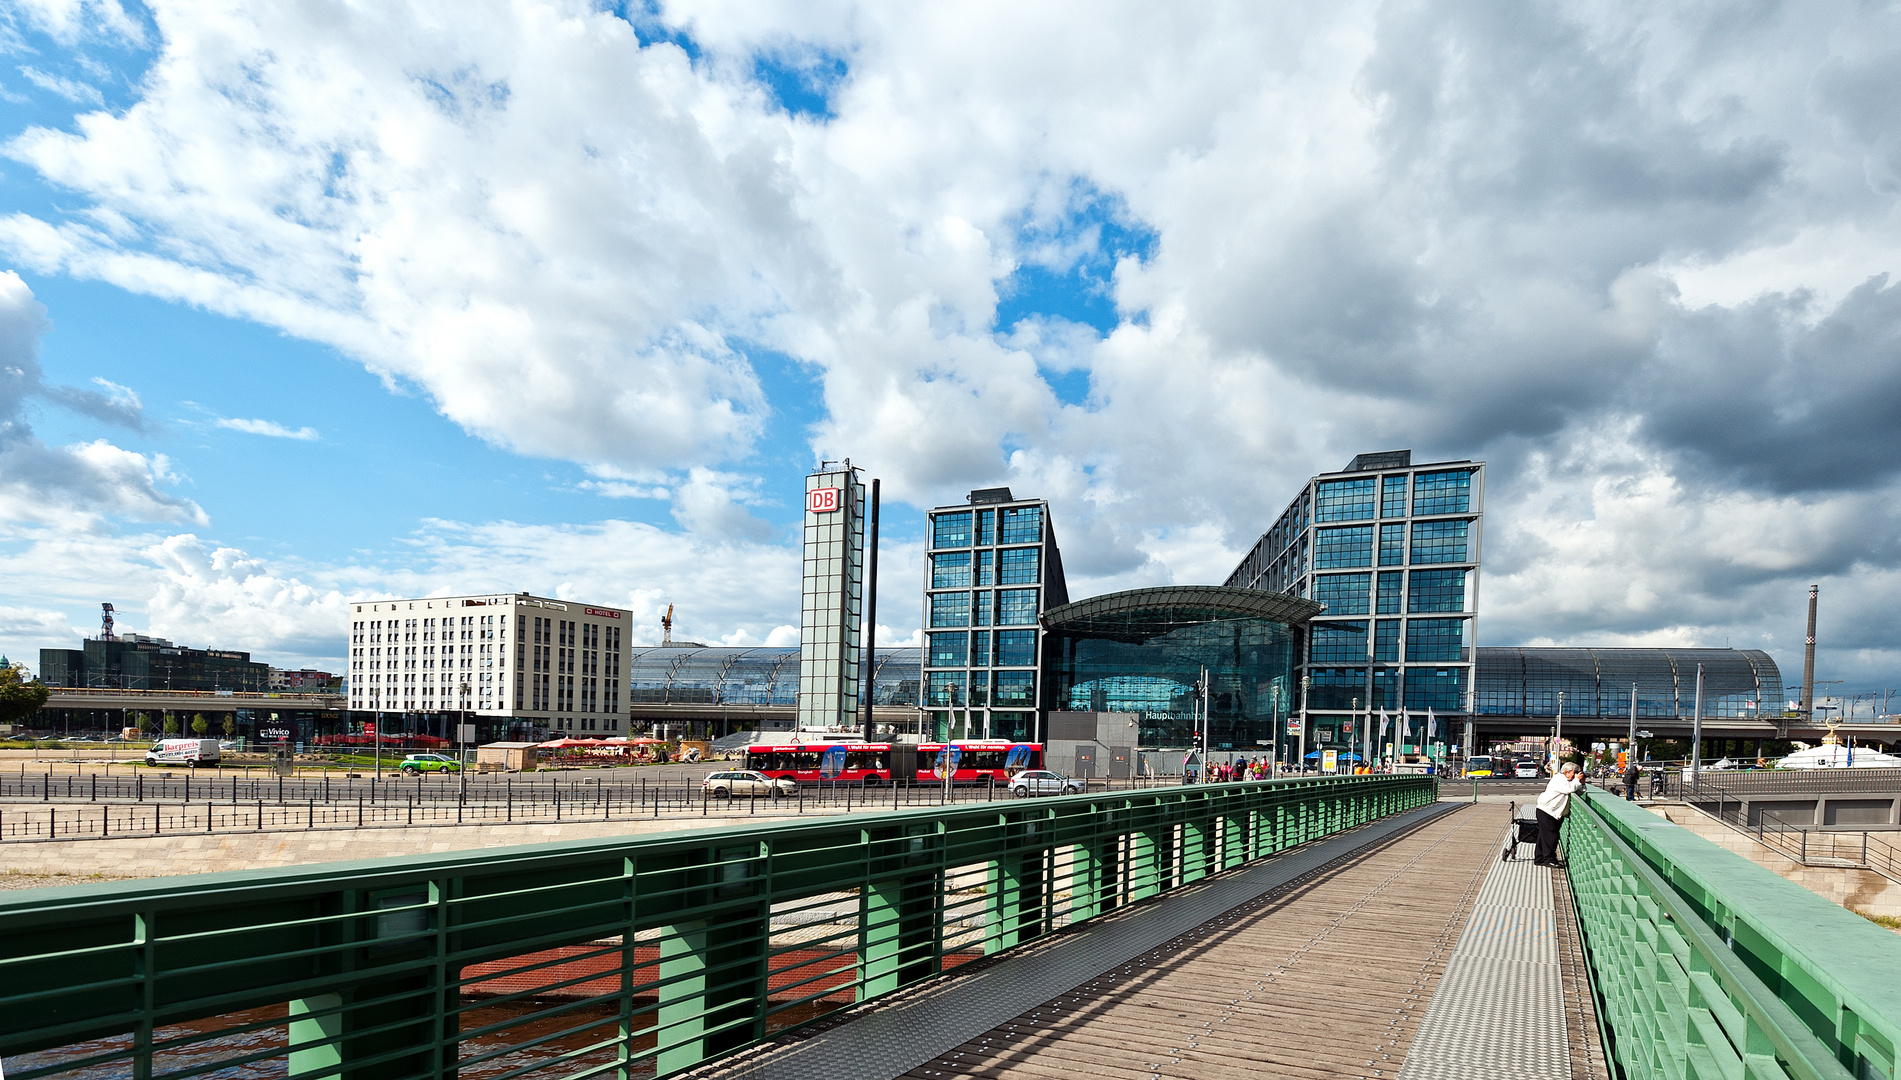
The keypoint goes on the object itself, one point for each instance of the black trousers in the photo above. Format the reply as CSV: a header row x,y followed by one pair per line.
x,y
1547,838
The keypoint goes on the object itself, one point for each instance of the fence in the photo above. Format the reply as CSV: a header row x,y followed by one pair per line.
x,y
44,807
1707,965
624,958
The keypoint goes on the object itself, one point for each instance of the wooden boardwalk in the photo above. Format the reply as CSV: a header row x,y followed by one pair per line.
x,y
1319,962
1327,977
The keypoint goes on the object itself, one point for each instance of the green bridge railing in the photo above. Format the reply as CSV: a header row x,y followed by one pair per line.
x,y
1708,966
626,957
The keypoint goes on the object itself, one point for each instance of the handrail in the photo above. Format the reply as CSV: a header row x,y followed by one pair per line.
x,y
640,956
1708,965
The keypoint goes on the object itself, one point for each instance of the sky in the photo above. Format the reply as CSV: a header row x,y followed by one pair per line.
x,y
313,301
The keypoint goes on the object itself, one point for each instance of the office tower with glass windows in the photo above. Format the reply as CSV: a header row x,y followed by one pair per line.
x,y
832,597
1392,549
992,570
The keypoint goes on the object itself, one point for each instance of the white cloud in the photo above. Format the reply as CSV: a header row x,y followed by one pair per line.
x,y
270,428
77,92
1629,254
72,21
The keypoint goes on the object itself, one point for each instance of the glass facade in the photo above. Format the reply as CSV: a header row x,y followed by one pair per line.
x,y
1737,683
1143,651
693,675
993,563
1418,553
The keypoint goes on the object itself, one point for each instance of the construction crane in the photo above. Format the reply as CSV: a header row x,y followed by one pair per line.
x,y
105,629
666,626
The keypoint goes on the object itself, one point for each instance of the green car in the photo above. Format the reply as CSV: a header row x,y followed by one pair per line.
x,y
422,763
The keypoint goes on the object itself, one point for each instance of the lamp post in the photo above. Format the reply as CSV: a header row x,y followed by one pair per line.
x,y
1353,715
1300,762
1557,739
462,756
1274,716
379,745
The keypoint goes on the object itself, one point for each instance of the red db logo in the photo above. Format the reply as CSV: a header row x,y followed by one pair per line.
x,y
821,500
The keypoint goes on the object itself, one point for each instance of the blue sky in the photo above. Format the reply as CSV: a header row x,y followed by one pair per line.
x,y
551,296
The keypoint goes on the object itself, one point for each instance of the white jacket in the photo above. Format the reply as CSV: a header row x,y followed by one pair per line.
x,y
1556,800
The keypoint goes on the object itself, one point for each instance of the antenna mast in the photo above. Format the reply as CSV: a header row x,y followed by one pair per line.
x,y
105,618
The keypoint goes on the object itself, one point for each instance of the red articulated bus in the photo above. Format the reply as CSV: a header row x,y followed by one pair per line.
x,y
979,760
866,763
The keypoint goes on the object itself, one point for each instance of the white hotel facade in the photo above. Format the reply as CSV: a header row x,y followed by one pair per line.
x,y
513,663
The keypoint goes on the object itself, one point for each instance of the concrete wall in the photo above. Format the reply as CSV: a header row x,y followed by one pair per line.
x,y
1856,890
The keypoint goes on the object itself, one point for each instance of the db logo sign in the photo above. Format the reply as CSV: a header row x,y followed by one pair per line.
x,y
822,500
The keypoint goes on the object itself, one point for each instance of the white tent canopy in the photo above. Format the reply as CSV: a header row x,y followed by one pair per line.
x,y
1832,755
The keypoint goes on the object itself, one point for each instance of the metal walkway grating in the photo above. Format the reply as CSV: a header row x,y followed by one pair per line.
x,y
1500,1010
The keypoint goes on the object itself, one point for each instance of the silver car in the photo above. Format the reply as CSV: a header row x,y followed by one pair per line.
x,y
725,785
1042,782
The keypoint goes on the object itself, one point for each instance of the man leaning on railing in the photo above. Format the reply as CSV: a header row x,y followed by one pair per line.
x,y
1553,805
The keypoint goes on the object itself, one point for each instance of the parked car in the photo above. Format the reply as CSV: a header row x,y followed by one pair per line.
x,y
1527,770
188,752
725,785
1042,782
415,764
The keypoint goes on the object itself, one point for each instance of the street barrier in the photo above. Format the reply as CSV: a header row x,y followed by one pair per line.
x,y
1706,965
624,957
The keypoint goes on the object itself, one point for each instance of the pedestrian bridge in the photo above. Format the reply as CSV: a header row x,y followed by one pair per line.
x,y
1341,927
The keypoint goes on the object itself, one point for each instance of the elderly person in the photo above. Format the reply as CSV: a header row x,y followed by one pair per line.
x,y
1553,805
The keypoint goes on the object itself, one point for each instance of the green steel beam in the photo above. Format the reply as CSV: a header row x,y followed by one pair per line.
x,y
1706,965
671,938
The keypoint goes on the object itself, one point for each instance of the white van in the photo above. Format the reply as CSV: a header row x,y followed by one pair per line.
x,y
191,752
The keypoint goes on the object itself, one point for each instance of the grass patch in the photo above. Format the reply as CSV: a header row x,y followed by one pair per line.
x,y
1889,921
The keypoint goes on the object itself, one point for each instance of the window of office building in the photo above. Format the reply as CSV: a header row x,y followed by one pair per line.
x,y
1338,643
983,608
980,648
1337,548
1436,590
1344,594
1392,545
1385,691
947,650
1016,607
1016,648
986,568
1392,584
1336,687
950,609
944,688
1018,566
1442,492
1393,497
1435,639
1021,525
1343,500
1015,688
951,530
1440,689
950,570
1439,541
986,527
1386,641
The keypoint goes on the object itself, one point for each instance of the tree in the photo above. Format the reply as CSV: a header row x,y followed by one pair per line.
x,y
19,698
171,725
230,725
198,724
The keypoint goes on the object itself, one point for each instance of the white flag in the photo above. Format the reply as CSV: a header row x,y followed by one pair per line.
x,y
1385,721
1405,724
1432,725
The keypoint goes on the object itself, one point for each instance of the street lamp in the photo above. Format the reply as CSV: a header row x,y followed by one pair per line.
x,y
1300,762
1557,747
1354,716
1274,716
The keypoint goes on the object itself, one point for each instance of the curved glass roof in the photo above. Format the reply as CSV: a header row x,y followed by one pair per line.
x,y
763,676
1525,681
1157,610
